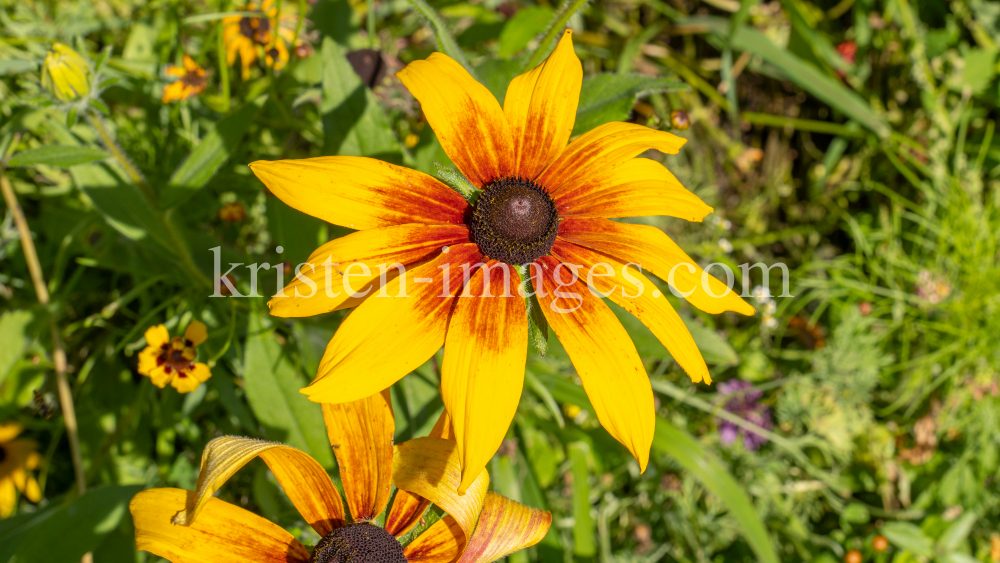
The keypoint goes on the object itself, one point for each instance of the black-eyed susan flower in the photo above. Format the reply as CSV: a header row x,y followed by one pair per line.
x,y
191,81
172,360
479,526
18,457
65,73
542,203
267,36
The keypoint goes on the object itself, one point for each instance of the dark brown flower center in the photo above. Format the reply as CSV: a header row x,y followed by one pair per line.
x,y
256,28
3,454
177,355
514,221
358,543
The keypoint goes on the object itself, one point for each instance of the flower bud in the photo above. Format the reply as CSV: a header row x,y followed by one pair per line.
x,y
679,119
65,73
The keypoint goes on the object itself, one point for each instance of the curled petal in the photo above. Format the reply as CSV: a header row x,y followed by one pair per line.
x,y
361,435
304,480
224,533
504,527
407,508
431,468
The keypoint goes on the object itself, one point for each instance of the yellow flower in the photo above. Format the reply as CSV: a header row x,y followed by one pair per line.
x,y
17,457
544,203
192,81
65,73
266,36
166,360
480,526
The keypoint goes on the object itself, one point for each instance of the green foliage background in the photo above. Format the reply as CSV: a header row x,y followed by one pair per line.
x,y
874,179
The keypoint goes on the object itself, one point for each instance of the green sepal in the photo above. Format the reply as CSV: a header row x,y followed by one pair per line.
x,y
538,327
458,182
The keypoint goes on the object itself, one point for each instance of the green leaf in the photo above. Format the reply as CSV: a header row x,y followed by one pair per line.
x,y
905,535
856,513
496,75
980,69
210,154
13,329
121,203
272,385
957,532
70,531
715,349
810,79
353,121
583,523
16,66
58,156
522,28
715,477
609,97
446,43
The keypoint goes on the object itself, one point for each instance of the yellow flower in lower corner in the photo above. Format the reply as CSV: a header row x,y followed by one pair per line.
x,y
17,458
166,360
479,526
545,203
266,36
191,81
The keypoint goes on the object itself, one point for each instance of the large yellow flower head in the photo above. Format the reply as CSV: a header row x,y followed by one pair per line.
x,y
479,527
545,203
18,457
65,73
165,360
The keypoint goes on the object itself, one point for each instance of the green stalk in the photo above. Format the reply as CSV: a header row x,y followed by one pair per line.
x,y
220,47
179,244
567,10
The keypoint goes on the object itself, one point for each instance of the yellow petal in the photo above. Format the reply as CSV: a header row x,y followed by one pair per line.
x,y
160,377
223,533
407,508
8,497
639,297
196,332
148,359
441,543
157,336
430,467
656,252
464,115
361,435
9,431
200,372
638,188
504,527
483,371
31,490
604,147
361,193
303,479
540,106
184,382
362,256
603,355
402,330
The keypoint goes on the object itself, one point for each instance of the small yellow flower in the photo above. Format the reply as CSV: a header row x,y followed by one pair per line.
x,y
266,36
480,526
192,81
166,360
65,73
17,457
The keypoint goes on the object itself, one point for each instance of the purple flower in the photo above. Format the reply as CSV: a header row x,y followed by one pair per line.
x,y
746,405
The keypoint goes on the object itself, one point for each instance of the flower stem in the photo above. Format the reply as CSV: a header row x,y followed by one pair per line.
x,y
565,12
58,349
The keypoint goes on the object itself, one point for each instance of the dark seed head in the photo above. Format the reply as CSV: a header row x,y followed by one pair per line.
x,y
358,543
514,221
3,454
